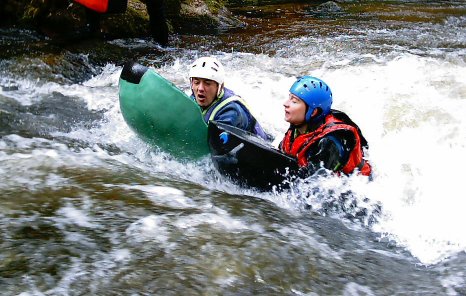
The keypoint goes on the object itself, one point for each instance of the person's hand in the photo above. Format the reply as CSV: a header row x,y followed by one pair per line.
x,y
307,171
229,157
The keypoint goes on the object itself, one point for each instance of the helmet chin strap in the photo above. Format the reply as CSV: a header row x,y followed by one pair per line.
x,y
220,90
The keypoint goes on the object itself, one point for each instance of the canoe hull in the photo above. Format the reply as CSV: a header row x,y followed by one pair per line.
x,y
161,114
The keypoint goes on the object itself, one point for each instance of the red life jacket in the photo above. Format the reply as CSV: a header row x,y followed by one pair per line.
x,y
299,146
96,5
105,6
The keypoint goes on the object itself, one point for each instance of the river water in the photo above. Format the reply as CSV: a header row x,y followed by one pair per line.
x,y
87,208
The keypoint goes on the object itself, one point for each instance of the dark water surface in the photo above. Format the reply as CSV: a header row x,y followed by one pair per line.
x,y
87,208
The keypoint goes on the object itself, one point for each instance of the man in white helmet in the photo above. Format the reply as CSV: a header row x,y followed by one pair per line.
x,y
217,102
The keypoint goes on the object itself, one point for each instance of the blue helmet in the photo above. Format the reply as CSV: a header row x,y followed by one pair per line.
x,y
315,93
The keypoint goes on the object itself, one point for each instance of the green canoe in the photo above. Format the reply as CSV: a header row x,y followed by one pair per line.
x,y
161,114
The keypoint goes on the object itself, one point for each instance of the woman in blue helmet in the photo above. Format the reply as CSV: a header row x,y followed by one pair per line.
x,y
217,102
319,136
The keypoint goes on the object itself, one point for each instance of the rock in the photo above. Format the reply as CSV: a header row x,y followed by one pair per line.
x,y
327,9
329,6
59,19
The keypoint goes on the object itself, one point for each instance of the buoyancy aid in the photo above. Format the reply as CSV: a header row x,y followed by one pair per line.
x,y
227,96
105,6
336,121
96,5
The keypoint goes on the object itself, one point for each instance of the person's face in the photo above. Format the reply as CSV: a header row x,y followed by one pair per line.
x,y
205,91
295,110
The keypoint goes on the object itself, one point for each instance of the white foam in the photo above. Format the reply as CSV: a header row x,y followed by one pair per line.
x,y
410,108
151,228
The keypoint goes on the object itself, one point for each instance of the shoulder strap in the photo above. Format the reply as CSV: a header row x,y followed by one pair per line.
x,y
345,118
224,102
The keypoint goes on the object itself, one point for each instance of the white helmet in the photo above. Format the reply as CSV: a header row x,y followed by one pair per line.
x,y
208,68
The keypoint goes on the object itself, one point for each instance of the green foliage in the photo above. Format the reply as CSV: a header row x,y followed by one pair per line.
x,y
214,5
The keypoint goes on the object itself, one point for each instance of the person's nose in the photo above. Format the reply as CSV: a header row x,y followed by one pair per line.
x,y
286,103
201,87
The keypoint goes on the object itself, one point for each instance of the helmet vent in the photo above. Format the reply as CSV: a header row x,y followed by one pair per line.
x,y
208,68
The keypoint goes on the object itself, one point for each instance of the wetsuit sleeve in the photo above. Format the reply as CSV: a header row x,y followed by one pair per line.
x,y
234,115
331,152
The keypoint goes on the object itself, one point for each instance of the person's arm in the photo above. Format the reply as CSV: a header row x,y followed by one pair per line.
x,y
331,152
234,115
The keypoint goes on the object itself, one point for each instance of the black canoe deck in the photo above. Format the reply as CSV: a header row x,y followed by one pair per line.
x,y
248,159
